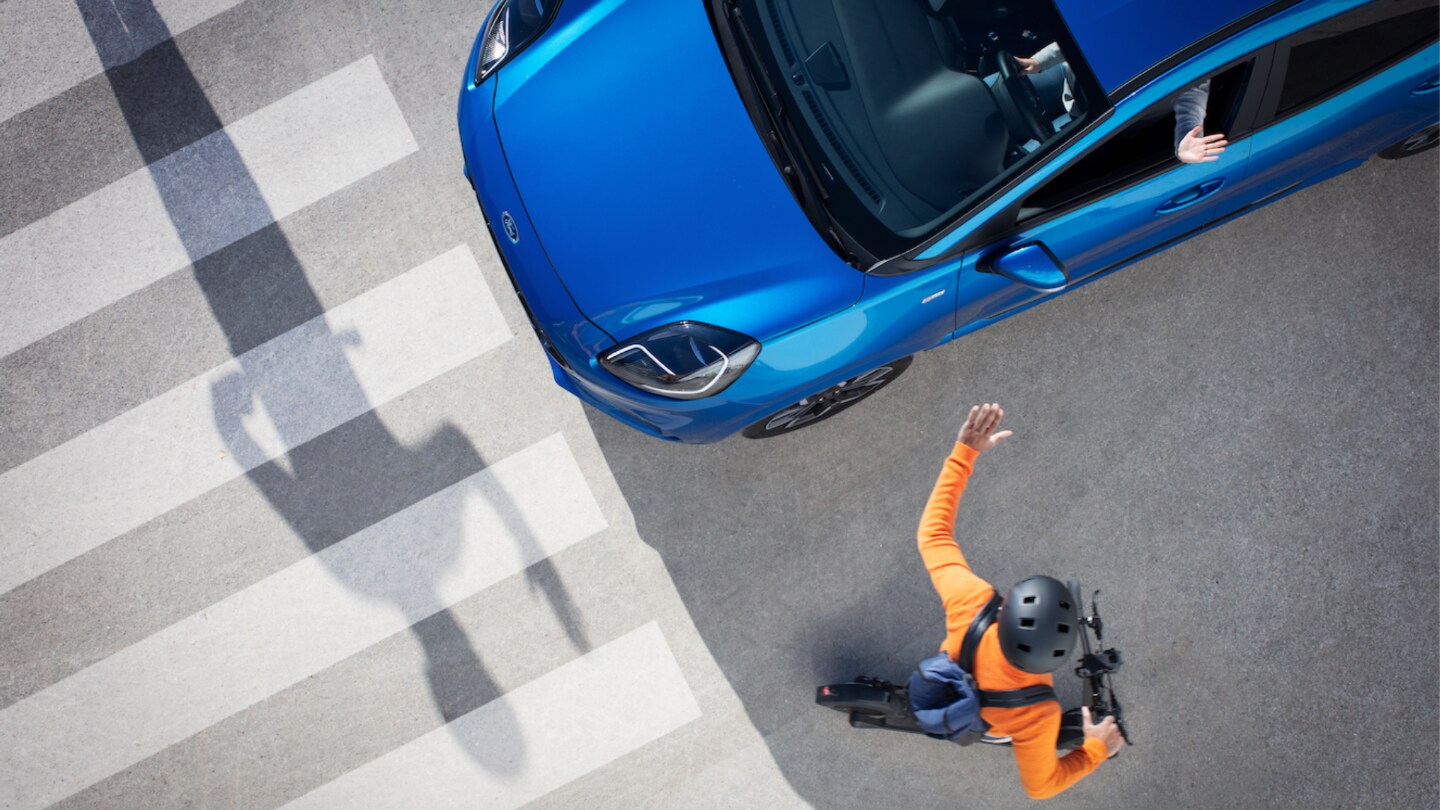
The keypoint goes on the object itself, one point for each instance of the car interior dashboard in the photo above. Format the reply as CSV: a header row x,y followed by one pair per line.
x,y
917,105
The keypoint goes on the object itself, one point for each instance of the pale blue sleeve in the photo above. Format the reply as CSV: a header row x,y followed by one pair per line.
x,y
1048,57
1190,110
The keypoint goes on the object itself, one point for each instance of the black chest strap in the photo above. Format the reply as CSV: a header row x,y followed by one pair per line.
x,y
1015,698
978,626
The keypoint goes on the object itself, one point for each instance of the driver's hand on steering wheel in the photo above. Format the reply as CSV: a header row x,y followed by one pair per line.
x,y
1027,65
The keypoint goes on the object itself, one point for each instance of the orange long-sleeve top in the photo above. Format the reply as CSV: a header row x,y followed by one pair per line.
x,y
1033,729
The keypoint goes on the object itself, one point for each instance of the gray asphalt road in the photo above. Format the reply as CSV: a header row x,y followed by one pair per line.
x,y
1235,440
280,462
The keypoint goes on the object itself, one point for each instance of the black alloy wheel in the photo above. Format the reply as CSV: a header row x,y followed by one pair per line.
x,y
1421,141
827,403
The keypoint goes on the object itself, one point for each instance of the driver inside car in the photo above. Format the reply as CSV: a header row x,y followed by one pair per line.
x,y
1192,145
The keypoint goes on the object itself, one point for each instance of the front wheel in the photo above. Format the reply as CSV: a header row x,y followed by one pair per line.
x,y
1074,587
827,403
1422,141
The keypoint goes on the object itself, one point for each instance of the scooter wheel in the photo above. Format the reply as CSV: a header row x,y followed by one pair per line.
x,y
860,698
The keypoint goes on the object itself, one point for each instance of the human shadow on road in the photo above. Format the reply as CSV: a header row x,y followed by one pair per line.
x,y
355,475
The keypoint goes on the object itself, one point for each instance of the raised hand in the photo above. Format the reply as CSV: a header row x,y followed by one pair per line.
x,y
1196,147
979,428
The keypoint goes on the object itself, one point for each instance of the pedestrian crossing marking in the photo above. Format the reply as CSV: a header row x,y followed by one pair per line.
x,y
295,623
126,730
189,204
533,740
46,43
182,444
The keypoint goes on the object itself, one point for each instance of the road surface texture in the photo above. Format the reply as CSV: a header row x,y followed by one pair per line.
x,y
291,514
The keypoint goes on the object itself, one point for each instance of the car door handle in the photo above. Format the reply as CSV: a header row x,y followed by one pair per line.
x,y
1428,86
1189,198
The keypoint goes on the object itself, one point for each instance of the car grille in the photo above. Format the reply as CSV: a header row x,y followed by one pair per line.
x,y
529,315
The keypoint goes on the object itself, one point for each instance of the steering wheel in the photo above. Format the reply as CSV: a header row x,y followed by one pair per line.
x,y
1019,101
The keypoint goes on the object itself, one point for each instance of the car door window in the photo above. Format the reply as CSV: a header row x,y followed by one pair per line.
x,y
1337,53
1144,148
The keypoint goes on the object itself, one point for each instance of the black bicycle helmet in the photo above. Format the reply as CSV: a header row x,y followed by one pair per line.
x,y
1039,623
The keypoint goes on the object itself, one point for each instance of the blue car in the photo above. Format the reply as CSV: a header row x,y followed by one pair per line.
x,y
748,215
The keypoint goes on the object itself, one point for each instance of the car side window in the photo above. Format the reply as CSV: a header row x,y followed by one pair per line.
x,y
1328,57
1144,148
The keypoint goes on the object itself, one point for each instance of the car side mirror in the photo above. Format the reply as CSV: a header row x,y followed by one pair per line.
x,y
1032,265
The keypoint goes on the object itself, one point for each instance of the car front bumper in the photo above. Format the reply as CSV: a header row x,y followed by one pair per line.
x,y
791,366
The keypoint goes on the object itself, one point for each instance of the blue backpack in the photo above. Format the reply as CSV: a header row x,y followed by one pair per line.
x,y
944,697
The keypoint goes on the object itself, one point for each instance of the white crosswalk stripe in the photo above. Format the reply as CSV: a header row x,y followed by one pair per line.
x,y
535,739
209,430
497,697
198,200
46,42
277,632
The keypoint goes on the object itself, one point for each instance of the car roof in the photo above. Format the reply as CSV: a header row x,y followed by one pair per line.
x,y
1121,38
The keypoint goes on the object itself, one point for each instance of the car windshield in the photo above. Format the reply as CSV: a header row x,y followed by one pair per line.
x,y
909,111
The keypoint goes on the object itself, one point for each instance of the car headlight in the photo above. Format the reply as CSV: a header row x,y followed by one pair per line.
x,y
685,360
513,25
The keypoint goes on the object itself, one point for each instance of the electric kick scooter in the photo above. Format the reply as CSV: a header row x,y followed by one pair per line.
x,y
877,703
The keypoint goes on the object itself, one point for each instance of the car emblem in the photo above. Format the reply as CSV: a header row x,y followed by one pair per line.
x,y
511,229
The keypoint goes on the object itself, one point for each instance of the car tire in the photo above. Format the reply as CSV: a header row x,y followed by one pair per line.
x,y
819,407
1422,141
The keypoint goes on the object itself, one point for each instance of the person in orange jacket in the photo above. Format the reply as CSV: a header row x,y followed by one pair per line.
x,y
1033,635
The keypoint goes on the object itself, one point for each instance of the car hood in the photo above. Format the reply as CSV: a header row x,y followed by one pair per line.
x,y
647,183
